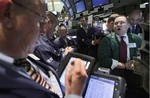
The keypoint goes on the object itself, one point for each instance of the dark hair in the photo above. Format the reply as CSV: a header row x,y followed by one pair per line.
x,y
52,18
110,19
62,25
86,18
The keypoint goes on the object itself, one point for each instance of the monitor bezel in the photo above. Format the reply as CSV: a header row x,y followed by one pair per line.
x,y
83,5
65,61
119,85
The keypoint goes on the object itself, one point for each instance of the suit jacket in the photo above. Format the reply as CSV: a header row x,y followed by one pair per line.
x,y
15,85
84,39
48,52
137,30
61,43
109,49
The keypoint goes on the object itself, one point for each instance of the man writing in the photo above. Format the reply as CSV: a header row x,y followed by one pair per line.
x,y
19,29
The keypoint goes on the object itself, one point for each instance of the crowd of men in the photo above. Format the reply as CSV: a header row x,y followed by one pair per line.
x,y
30,57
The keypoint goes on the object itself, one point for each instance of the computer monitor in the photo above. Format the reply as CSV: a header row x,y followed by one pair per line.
x,y
80,6
103,85
97,3
67,3
87,60
71,12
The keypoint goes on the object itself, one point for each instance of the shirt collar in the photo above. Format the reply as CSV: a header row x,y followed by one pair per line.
x,y
6,58
125,35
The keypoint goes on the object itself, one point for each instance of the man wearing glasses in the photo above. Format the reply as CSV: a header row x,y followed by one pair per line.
x,y
19,29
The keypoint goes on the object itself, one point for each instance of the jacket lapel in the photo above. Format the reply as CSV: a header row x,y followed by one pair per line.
x,y
114,39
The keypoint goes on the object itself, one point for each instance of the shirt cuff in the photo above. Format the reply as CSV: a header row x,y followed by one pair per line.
x,y
92,42
114,63
73,96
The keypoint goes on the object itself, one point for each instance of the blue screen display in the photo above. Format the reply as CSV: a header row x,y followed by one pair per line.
x,y
71,12
80,6
67,3
99,2
99,87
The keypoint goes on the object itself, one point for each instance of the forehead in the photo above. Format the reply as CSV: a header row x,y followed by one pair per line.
x,y
121,18
135,16
36,5
63,28
82,19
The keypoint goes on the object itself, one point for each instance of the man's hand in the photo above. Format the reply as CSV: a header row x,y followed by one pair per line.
x,y
96,41
129,65
68,49
75,77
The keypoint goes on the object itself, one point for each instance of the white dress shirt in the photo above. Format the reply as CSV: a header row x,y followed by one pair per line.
x,y
126,39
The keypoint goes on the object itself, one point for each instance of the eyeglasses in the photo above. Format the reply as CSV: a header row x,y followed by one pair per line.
x,y
42,17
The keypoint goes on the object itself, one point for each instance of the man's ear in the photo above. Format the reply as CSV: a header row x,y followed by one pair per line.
x,y
6,16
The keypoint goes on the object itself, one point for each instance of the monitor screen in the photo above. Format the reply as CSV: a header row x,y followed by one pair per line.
x,y
71,12
67,3
80,6
97,3
99,87
62,77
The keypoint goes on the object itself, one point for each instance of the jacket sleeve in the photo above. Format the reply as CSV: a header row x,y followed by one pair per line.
x,y
47,57
104,53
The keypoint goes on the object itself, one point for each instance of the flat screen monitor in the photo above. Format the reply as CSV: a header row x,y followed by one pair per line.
x,y
80,6
71,12
87,60
67,3
97,3
103,85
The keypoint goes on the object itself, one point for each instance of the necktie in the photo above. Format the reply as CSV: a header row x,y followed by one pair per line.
x,y
134,29
36,76
122,50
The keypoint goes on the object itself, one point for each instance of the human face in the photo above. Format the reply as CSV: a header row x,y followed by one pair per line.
x,y
83,22
63,31
121,25
135,18
50,28
27,28
110,25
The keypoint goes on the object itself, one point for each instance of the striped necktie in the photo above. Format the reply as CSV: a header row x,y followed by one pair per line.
x,y
36,76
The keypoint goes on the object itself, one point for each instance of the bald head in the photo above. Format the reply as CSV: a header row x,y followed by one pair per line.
x,y
135,17
35,5
19,26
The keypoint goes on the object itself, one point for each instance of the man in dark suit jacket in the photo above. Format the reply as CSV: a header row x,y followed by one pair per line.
x,y
64,40
134,19
45,48
85,40
19,29
108,55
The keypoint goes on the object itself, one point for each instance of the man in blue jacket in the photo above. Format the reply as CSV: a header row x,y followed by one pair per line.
x,y
19,29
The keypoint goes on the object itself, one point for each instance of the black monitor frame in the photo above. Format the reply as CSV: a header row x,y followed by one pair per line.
x,y
79,2
119,85
65,61
89,64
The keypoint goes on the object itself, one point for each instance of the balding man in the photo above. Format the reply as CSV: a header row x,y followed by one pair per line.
x,y
20,78
134,19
